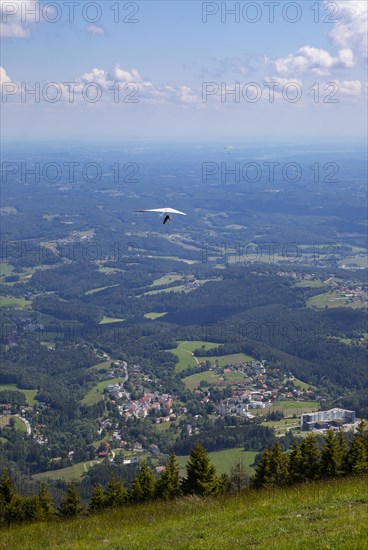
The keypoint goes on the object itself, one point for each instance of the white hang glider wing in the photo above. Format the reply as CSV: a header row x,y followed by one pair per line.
x,y
163,211
166,211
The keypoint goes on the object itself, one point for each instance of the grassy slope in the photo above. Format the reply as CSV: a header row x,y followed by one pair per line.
x,y
29,394
315,516
223,460
95,394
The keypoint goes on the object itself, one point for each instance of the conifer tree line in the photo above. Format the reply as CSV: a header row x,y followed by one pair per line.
x,y
304,462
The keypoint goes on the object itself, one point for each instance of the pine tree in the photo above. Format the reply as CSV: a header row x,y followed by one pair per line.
x,y
310,458
97,501
201,474
15,510
45,503
143,486
223,483
70,505
262,474
115,494
332,459
168,484
6,487
279,465
31,509
296,464
6,495
239,478
357,456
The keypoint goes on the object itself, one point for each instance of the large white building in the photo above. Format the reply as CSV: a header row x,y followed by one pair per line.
x,y
325,419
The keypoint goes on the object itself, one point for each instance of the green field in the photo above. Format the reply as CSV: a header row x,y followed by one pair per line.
x,y
232,359
94,290
154,315
331,299
223,460
176,258
310,284
179,288
107,320
5,269
70,473
303,385
103,365
110,270
184,353
314,516
360,261
192,382
289,408
10,301
281,426
95,394
18,422
167,279
29,394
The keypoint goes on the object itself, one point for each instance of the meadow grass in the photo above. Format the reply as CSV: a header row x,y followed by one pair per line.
x,y
10,301
154,315
99,289
192,382
107,320
167,279
69,473
29,394
331,299
231,359
289,408
223,460
306,284
95,394
184,352
104,365
303,385
110,270
324,515
18,422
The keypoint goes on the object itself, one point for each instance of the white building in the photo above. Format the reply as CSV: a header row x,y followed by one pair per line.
x,y
325,419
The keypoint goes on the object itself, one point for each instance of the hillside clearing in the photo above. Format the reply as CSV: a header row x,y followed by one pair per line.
x,y
316,515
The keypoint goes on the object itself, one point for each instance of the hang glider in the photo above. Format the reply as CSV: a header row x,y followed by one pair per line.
x,y
166,211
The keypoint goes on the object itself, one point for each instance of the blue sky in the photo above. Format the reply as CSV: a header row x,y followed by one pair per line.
x,y
169,55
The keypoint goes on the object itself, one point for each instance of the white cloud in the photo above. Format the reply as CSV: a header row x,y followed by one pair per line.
x,y
126,76
9,88
145,91
350,31
95,29
96,75
349,87
132,88
284,81
314,60
4,77
16,17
